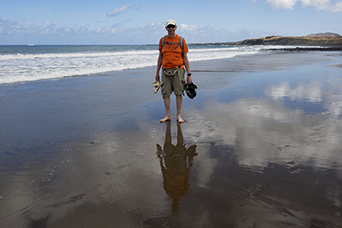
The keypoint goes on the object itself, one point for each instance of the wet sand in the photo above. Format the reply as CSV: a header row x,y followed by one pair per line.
x,y
260,148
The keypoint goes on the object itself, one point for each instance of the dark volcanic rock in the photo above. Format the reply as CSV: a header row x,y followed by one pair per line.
x,y
298,49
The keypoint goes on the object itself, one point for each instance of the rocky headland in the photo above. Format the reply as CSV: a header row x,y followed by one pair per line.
x,y
323,41
317,42
319,39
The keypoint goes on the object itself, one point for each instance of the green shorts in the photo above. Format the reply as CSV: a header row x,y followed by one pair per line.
x,y
173,83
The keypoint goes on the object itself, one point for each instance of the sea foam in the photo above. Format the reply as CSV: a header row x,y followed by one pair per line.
x,y
21,67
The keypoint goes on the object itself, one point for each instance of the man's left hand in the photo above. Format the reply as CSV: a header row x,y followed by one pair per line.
x,y
189,79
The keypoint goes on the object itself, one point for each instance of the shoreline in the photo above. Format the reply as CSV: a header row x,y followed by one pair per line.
x,y
53,68
301,49
262,52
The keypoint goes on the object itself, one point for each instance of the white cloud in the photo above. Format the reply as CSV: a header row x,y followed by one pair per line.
x,y
46,28
287,4
118,11
9,28
318,4
188,27
194,34
337,7
45,33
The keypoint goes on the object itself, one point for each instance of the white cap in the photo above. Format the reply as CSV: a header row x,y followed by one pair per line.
x,y
170,22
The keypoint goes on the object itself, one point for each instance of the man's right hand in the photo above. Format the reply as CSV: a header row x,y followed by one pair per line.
x,y
157,78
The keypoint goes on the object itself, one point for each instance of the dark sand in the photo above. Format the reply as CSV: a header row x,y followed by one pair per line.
x,y
261,147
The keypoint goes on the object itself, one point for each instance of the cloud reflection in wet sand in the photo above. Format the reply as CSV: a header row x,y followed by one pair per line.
x,y
301,150
310,91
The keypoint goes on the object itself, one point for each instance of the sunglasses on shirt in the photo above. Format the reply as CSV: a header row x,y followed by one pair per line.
x,y
170,26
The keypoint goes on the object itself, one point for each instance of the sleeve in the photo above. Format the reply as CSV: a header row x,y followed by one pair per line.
x,y
160,47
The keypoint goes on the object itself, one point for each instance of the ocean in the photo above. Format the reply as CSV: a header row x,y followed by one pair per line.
x,y
40,62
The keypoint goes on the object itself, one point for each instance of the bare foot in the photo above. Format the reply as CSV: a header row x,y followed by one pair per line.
x,y
165,119
179,119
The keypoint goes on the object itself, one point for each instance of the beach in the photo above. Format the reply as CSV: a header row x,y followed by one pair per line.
x,y
260,147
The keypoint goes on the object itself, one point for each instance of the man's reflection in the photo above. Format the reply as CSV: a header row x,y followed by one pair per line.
x,y
176,163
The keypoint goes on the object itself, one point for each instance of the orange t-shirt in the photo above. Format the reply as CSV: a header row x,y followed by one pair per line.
x,y
172,52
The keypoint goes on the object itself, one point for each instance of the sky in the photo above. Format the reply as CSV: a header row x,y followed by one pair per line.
x,y
143,22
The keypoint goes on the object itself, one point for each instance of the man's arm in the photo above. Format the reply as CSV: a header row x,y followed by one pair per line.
x,y
187,66
159,63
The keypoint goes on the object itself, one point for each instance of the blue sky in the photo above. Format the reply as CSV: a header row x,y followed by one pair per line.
x,y
142,22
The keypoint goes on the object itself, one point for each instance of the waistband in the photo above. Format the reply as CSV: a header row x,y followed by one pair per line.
x,y
179,67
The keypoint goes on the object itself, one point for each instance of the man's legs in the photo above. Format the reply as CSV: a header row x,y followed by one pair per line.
x,y
173,85
167,103
179,102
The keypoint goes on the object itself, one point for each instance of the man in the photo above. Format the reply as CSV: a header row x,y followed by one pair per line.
x,y
171,56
